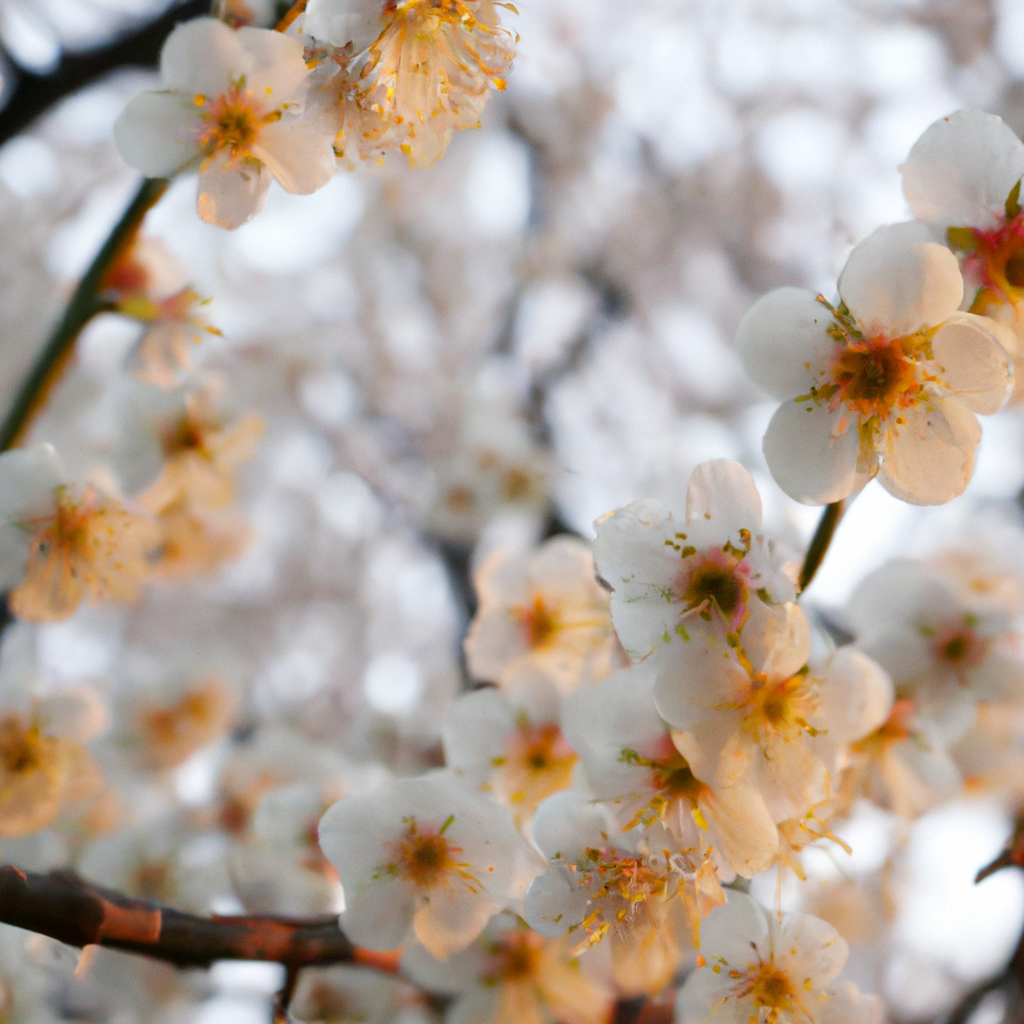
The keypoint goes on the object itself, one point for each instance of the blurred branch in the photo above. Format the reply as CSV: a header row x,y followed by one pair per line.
x,y
65,907
34,94
84,305
820,542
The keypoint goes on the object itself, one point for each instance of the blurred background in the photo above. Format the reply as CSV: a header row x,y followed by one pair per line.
x,y
503,347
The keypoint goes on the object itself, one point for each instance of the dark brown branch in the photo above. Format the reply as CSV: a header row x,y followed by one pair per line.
x,y
64,907
34,94
820,542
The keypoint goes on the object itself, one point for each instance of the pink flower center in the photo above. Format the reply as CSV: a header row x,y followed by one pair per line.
x,y
232,123
873,377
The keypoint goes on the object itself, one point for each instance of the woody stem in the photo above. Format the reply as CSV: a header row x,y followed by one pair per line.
x,y
84,305
820,542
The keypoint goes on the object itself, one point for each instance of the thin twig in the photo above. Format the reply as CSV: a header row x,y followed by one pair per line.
x,y
84,305
69,909
820,542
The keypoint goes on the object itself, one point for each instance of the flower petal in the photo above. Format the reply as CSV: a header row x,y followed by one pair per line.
x,y
855,698
898,280
973,363
203,56
358,22
929,459
809,459
157,133
277,68
721,500
231,195
961,170
783,341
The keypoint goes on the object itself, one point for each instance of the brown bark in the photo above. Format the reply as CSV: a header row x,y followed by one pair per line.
x,y
69,909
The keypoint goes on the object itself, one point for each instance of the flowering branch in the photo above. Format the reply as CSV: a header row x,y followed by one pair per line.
x,y
820,542
84,305
64,907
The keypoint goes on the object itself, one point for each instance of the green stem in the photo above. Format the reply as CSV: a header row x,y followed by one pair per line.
x,y
84,305
820,542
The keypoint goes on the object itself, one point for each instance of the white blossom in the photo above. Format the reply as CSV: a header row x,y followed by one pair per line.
x,y
428,856
230,106
712,570
758,967
888,383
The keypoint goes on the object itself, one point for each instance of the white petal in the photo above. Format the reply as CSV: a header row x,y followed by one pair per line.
x,y
856,696
888,596
808,462
476,732
783,342
962,169
777,639
451,920
229,196
157,133
846,1004
973,363
930,458
380,915
345,21
722,495
632,552
737,932
555,903
811,948
898,280
203,56
743,830
695,679
277,69
567,823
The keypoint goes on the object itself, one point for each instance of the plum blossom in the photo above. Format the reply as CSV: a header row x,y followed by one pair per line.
x,y
643,898
888,383
45,769
60,544
630,761
712,570
425,856
942,649
541,612
962,177
423,70
513,975
510,743
231,106
755,966
148,285
772,722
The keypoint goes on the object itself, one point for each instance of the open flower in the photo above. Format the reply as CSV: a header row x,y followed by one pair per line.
x,y
427,74
963,176
510,743
148,285
886,384
603,886
775,724
231,105
758,967
942,649
44,767
630,762
541,612
61,544
428,855
712,570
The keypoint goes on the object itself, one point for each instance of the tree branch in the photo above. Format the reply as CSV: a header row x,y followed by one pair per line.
x,y
65,907
34,94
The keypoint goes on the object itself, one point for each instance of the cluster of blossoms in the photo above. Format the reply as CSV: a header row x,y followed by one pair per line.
x,y
656,721
349,81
